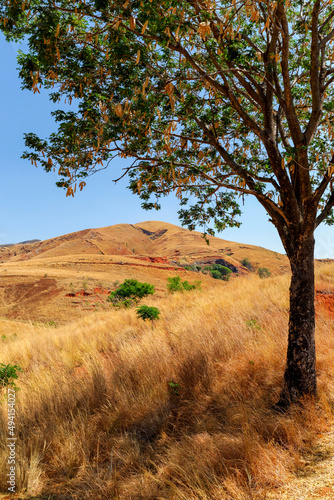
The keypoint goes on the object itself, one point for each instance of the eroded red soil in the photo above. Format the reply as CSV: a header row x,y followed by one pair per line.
x,y
325,301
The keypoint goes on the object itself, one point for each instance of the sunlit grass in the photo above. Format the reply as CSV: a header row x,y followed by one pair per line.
x,y
110,407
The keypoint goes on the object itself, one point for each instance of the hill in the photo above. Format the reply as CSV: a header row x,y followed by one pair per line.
x,y
72,274
151,239
5,245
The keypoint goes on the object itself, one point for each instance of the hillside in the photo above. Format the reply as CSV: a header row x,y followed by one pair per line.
x,y
71,275
152,238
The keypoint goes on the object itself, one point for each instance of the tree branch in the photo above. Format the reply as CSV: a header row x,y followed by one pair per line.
x,y
291,115
327,38
326,21
315,77
326,211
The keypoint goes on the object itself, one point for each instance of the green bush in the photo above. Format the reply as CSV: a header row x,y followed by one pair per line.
x,y
188,286
216,274
246,263
224,271
190,268
263,272
9,373
129,292
147,312
176,285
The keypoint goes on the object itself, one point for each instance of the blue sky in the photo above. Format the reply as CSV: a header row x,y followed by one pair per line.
x,y
31,206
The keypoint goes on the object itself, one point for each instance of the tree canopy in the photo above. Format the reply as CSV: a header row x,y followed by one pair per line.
x,y
210,99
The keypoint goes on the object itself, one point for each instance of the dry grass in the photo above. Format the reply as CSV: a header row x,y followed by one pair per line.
x,y
98,393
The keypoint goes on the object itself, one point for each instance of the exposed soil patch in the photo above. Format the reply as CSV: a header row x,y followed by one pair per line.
x,y
100,290
155,260
84,293
325,301
89,300
22,298
317,479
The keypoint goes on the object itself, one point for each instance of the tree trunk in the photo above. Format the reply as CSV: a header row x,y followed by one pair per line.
x,y
300,373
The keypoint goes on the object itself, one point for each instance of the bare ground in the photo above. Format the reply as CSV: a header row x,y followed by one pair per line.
x,y
315,480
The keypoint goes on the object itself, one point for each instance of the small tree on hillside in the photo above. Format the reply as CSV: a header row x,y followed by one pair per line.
x,y
246,262
263,272
129,292
176,285
148,313
211,101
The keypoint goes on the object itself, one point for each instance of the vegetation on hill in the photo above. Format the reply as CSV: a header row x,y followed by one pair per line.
x,y
263,272
8,374
148,313
217,271
175,284
130,292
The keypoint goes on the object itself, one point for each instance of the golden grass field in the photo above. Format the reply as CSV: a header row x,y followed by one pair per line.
x,y
111,407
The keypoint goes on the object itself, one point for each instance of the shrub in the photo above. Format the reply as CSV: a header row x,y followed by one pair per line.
x,y
246,263
174,388
130,291
263,272
147,312
188,286
9,373
190,268
223,271
216,274
176,285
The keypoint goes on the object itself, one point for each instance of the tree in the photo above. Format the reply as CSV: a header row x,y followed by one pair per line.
x,y
130,291
147,312
263,272
210,100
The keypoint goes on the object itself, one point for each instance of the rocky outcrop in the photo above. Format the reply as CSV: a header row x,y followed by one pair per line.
x,y
153,235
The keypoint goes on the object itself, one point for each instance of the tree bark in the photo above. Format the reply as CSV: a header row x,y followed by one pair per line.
x,y
300,373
